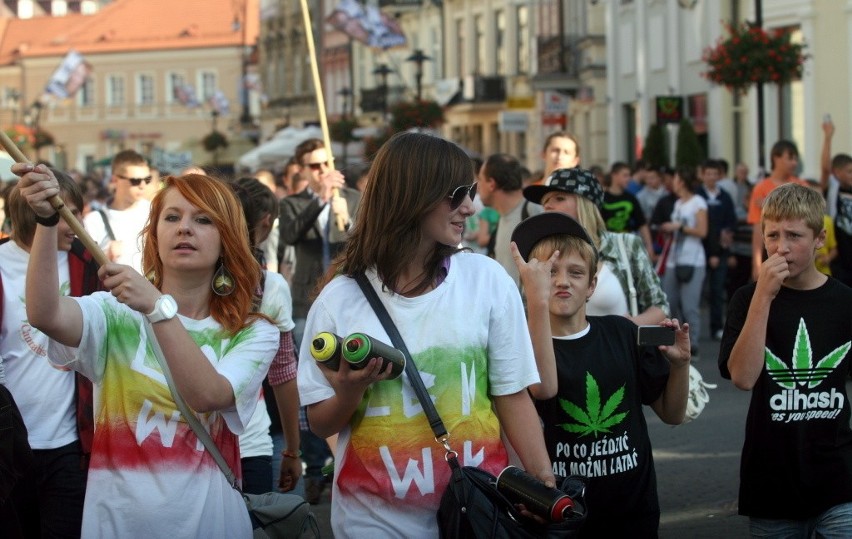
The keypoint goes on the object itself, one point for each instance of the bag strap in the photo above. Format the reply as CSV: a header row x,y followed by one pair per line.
x,y
625,260
435,422
186,412
107,226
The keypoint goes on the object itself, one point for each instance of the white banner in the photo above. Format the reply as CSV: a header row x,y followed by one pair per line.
x,y
69,76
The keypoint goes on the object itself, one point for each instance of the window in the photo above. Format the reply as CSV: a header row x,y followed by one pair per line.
x,y
207,84
145,90
479,43
462,53
500,41
86,93
115,90
175,87
523,39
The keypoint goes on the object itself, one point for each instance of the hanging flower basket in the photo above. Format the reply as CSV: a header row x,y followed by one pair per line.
x,y
410,114
751,55
42,138
343,130
21,135
214,141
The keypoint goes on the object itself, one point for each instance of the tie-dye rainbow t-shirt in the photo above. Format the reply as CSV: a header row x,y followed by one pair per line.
x,y
149,475
470,341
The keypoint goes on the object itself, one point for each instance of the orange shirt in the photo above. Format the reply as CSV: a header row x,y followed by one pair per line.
x,y
759,194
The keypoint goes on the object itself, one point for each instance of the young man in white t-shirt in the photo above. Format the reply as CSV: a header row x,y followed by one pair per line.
x,y
48,499
117,228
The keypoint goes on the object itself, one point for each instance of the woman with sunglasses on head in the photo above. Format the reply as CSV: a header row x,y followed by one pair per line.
x,y
149,475
462,320
116,228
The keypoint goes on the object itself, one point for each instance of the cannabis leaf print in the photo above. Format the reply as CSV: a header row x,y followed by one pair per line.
x,y
594,419
803,370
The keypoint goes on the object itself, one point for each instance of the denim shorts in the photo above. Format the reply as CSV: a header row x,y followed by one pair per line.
x,y
835,523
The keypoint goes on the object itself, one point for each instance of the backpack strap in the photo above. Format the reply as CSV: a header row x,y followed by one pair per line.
x,y
105,218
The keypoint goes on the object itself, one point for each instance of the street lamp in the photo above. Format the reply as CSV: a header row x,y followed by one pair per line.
x,y
346,93
382,71
418,58
238,25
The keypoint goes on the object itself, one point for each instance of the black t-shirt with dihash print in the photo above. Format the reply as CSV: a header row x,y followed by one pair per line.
x,y
797,455
595,426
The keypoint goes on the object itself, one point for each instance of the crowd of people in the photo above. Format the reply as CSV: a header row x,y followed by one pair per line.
x,y
519,295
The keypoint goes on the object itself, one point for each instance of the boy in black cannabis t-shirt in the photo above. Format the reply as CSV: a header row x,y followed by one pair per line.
x,y
787,339
595,379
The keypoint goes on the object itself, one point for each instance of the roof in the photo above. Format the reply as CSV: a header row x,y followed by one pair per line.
x,y
133,25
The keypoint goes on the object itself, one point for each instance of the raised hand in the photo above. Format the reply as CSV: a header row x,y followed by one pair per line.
x,y
37,185
535,274
129,287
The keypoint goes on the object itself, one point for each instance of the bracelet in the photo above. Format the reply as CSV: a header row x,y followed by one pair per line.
x,y
291,455
53,220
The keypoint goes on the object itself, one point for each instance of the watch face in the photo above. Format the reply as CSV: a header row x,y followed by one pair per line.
x,y
168,306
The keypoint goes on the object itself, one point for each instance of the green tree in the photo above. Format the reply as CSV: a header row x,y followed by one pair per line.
x,y
688,150
655,152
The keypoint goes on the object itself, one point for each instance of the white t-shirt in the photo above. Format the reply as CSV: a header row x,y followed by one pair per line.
x,y
608,297
505,227
43,393
149,476
470,341
277,305
687,250
126,225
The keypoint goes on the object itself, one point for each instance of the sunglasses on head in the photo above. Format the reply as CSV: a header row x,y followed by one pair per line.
x,y
318,166
136,181
459,193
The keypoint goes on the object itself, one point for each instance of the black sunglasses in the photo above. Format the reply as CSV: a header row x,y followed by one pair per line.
x,y
318,166
459,193
136,181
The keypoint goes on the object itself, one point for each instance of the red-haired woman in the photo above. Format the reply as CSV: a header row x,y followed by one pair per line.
x,y
149,475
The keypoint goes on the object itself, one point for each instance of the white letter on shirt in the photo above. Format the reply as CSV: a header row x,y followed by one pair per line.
x,y
425,482
144,426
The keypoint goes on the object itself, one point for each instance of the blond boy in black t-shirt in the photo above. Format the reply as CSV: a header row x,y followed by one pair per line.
x,y
595,379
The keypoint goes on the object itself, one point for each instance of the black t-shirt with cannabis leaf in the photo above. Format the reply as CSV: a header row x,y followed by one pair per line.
x,y
595,426
797,455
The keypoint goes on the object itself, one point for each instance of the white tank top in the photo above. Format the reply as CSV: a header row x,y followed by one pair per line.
x,y
609,297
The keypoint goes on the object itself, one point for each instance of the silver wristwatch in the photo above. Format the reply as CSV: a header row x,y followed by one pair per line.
x,y
164,309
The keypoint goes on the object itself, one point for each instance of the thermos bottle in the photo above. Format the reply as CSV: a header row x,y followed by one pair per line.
x,y
359,348
520,487
326,349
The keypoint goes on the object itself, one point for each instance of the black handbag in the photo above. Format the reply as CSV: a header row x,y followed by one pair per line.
x,y
684,273
471,506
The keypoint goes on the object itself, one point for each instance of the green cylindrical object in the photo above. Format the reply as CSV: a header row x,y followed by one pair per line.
x,y
326,349
359,349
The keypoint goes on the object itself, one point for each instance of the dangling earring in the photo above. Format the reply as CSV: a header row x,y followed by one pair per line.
x,y
223,281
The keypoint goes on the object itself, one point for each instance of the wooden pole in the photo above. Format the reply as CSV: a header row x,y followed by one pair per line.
x,y
58,204
340,220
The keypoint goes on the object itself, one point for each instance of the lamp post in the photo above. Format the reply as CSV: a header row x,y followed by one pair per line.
x,y
239,25
382,71
418,58
346,93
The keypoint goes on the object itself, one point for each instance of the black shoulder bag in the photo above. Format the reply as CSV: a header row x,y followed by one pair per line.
x,y
471,506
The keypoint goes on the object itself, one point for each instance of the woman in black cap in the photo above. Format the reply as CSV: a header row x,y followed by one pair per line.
x,y
627,282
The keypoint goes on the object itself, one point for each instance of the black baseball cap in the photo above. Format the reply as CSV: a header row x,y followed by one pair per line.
x,y
569,180
550,223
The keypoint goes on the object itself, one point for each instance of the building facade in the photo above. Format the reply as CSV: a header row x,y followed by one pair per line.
x,y
164,84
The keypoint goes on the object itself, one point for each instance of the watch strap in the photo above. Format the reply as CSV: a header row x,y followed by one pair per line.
x,y
53,220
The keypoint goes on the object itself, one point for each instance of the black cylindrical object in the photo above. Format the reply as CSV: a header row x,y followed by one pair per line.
x,y
549,503
326,348
359,349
